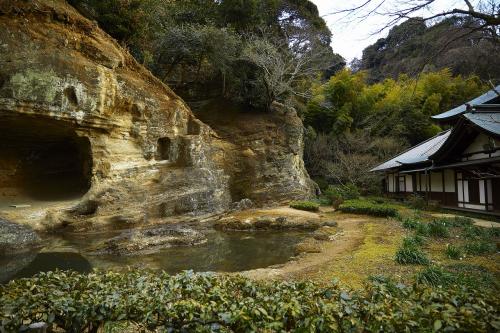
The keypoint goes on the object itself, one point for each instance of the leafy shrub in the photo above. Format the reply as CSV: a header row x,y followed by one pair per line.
x,y
438,228
206,302
321,182
408,255
416,201
410,223
346,192
360,206
305,205
337,194
435,276
453,252
413,241
479,247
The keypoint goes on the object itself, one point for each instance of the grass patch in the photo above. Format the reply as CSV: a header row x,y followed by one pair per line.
x,y
305,205
453,252
435,276
422,229
410,223
477,232
474,276
411,255
480,247
473,215
413,241
461,221
438,228
366,207
462,274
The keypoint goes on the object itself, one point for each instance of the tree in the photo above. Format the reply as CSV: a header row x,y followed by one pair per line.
x,y
431,38
236,49
283,69
397,108
487,12
413,47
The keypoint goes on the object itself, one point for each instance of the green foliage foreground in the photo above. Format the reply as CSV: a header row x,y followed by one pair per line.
x,y
209,302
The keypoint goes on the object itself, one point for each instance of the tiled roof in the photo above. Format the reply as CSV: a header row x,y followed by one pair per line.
x,y
416,154
489,121
491,96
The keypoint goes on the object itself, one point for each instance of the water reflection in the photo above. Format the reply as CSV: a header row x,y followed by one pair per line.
x,y
223,252
50,261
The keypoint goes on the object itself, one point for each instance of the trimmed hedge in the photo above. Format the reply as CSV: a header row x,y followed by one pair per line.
x,y
305,205
205,302
360,206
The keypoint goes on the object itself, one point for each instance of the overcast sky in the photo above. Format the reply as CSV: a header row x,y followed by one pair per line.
x,y
350,38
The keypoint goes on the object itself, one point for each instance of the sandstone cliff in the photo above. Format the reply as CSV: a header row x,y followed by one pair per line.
x,y
88,134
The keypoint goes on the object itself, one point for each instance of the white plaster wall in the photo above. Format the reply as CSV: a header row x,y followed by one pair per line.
x,y
436,182
449,180
409,183
478,145
390,181
482,197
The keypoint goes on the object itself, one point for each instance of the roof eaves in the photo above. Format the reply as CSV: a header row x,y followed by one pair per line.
x,y
484,98
380,168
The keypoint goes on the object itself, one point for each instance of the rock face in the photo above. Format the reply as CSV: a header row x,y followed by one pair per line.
x,y
82,122
265,152
15,238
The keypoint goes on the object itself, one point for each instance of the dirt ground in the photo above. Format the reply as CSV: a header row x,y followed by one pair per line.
x,y
364,246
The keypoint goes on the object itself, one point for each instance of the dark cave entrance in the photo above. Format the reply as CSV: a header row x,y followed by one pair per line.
x,y
42,160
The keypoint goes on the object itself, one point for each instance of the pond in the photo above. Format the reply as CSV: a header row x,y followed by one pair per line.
x,y
223,252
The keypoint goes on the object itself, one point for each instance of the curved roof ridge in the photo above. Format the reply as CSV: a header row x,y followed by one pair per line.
x,y
484,98
413,154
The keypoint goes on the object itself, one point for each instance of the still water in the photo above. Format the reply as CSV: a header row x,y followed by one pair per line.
x,y
223,252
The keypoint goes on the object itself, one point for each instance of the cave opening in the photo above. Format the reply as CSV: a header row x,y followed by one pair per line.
x,y
163,149
42,160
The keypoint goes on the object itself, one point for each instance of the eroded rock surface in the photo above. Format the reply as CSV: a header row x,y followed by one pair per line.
x,y
265,151
149,240
84,125
15,238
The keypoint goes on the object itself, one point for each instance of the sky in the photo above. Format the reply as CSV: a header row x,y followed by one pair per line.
x,y
351,36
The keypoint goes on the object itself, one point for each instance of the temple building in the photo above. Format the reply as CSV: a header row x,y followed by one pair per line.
x,y
458,168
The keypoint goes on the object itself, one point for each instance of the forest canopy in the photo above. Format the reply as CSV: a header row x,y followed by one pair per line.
x,y
353,125
250,51
413,46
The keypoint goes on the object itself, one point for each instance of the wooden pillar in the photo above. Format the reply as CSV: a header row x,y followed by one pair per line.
x,y
444,191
